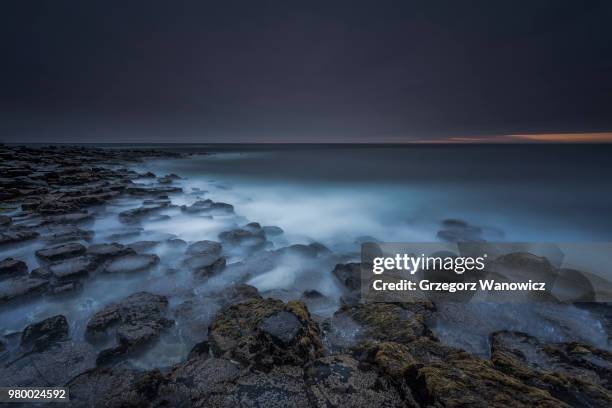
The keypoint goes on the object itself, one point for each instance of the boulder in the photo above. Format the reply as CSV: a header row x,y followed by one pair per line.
x,y
131,263
251,332
205,265
17,234
61,252
137,321
204,248
10,267
42,334
73,269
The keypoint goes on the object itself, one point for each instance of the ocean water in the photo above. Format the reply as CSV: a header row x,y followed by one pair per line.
x,y
334,194
337,195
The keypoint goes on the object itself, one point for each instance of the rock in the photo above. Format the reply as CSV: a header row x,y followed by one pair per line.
x,y
67,233
242,237
5,221
310,251
312,294
397,322
147,175
176,243
459,231
42,334
204,248
108,251
339,381
282,326
60,252
132,263
522,267
42,272
208,206
142,246
16,234
63,289
138,321
349,275
10,267
50,367
73,269
205,265
21,287
238,293
245,332
137,214
73,218
577,374
272,231
108,387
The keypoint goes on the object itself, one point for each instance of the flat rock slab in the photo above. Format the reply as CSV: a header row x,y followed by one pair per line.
x,y
132,263
13,235
204,247
21,287
60,252
282,326
43,333
107,251
73,269
10,267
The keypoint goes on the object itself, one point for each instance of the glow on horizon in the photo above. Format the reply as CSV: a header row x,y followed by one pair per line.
x,y
585,137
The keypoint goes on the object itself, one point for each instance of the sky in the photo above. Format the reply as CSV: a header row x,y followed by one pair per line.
x,y
309,71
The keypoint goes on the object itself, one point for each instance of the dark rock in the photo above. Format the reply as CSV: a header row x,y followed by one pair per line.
x,y
137,214
282,326
207,206
49,367
42,272
312,294
17,234
310,251
138,321
204,248
271,230
243,237
42,334
10,267
73,218
108,387
132,263
176,243
142,246
238,293
67,233
108,251
73,269
21,287
206,264
349,275
239,332
5,221
147,175
578,374
60,252
459,231
339,381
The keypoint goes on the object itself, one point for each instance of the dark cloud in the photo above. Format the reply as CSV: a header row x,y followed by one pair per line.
x,y
303,71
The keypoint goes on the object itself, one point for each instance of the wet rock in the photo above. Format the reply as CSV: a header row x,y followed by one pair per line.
x,y
10,267
272,231
60,252
206,264
152,191
5,221
245,331
147,175
459,231
339,381
68,233
523,266
349,275
137,214
207,206
142,246
132,263
164,180
137,320
41,272
243,237
21,287
108,251
17,234
109,387
578,374
42,334
397,322
73,269
238,293
204,248
312,294
176,243
310,251
51,367
73,218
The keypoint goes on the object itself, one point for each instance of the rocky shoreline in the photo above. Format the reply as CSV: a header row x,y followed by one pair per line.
x,y
255,350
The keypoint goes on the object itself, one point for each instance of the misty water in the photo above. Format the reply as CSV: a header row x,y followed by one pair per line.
x,y
339,197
